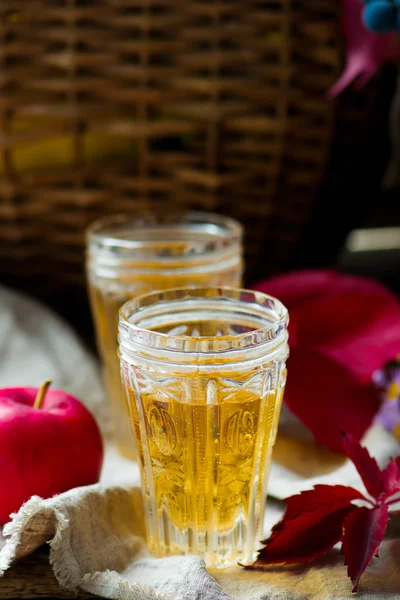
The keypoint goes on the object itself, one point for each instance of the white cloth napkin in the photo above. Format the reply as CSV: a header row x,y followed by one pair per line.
x,y
96,533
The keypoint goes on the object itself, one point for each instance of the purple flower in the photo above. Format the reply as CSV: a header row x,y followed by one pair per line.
x,y
387,381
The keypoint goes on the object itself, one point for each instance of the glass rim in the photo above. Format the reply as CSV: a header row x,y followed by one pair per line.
x,y
100,229
239,297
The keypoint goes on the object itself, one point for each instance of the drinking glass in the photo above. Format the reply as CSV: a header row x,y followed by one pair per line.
x,y
129,255
204,373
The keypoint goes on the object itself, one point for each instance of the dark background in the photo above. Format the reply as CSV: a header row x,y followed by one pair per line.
x,y
360,203
350,197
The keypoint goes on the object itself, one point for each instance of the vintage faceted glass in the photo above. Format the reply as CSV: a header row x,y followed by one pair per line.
x,y
204,373
129,255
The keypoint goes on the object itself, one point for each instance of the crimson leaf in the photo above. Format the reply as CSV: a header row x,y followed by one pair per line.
x,y
391,477
306,536
364,463
347,404
316,519
321,495
364,529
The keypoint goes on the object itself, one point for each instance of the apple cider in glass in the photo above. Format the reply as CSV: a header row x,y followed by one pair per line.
x,y
129,255
204,374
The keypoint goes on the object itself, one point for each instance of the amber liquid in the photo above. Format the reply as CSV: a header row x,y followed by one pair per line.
x,y
105,307
106,303
205,449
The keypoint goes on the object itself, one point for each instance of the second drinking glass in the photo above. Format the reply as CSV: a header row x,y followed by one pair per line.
x,y
129,255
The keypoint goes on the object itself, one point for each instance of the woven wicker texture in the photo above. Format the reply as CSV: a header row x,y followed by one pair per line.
x,y
112,105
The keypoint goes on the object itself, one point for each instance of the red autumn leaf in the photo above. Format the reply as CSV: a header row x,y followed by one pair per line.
x,y
365,464
342,314
305,537
339,318
324,395
297,288
363,533
362,352
321,495
315,520
346,326
391,477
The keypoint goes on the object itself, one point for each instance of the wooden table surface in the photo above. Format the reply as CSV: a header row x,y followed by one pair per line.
x,y
32,577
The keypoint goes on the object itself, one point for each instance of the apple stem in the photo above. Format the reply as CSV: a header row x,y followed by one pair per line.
x,y
41,395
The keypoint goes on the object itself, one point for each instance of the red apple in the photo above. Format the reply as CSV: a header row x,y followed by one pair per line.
x,y
49,443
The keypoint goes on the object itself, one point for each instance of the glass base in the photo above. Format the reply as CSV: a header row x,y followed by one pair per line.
x,y
219,550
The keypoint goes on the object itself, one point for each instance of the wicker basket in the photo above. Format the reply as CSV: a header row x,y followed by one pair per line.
x,y
112,105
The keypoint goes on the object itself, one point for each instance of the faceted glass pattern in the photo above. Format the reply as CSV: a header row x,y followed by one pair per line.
x,y
204,406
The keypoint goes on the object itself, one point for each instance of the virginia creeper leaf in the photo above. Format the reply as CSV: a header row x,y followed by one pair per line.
x,y
363,529
324,395
320,496
365,464
391,477
315,520
305,537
